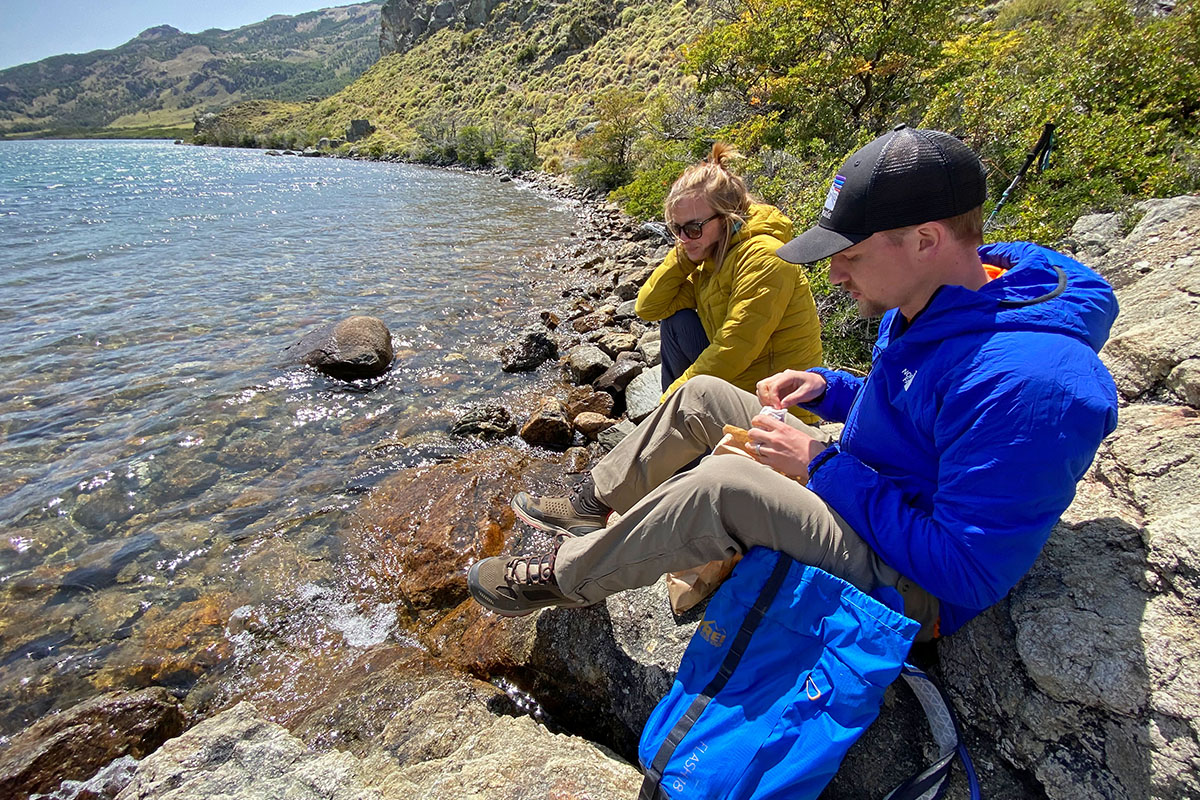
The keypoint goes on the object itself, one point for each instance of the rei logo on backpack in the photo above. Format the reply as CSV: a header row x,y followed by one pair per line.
x,y
787,670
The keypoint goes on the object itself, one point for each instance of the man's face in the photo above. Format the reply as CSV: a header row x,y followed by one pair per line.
x,y
877,274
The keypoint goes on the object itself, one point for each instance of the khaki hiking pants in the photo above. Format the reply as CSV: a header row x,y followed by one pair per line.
x,y
725,505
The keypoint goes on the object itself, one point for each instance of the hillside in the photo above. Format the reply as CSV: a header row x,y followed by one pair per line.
x,y
163,77
479,81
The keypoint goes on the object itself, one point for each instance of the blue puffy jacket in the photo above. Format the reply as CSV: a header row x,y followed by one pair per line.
x,y
963,446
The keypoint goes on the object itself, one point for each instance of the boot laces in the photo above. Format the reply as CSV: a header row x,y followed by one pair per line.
x,y
531,570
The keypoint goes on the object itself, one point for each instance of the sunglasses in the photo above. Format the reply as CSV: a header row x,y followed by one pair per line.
x,y
690,230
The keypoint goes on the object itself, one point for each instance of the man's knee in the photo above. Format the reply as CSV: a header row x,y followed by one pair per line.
x,y
729,475
702,390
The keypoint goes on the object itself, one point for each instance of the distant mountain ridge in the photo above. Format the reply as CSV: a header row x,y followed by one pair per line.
x,y
163,77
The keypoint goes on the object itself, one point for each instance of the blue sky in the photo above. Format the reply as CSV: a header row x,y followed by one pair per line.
x,y
31,30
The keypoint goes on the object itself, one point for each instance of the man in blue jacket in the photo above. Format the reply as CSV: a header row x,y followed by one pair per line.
x,y
985,405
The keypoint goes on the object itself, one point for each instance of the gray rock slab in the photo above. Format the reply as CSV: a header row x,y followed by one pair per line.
x,y
585,363
238,753
642,394
611,437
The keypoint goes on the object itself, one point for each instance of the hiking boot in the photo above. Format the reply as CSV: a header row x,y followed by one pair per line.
x,y
578,514
518,586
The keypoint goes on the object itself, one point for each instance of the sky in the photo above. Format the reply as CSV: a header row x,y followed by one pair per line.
x,y
31,30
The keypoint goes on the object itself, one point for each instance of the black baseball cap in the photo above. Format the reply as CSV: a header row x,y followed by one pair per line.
x,y
905,177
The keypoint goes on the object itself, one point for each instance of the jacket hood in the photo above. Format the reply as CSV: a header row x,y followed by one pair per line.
x,y
764,219
1041,290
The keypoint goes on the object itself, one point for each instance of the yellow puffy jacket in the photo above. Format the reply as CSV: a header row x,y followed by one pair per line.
x,y
756,308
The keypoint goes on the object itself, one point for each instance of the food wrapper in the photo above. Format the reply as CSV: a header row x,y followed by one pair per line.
x,y
688,587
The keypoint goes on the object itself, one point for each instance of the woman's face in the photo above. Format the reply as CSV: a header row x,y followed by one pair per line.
x,y
690,211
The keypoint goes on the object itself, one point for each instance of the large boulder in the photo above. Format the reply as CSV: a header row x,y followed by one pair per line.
x,y
597,671
1084,680
356,347
359,129
76,743
239,753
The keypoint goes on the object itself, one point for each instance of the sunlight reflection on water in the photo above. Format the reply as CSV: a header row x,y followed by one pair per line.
x,y
161,468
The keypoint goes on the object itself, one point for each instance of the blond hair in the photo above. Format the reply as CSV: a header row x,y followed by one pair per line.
x,y
725,192
966,227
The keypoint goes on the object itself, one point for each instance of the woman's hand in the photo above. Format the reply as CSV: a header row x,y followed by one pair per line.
x,y
790,387
783,447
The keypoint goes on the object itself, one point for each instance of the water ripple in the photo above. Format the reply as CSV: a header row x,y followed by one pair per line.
x,y
146,295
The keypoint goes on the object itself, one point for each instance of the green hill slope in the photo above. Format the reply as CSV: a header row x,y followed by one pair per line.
x,y
525,76
163,77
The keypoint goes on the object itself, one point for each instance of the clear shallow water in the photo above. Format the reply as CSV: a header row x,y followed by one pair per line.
x,y
151,436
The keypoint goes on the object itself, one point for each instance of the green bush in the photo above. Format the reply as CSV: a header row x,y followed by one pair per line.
x,y
521,155
608,151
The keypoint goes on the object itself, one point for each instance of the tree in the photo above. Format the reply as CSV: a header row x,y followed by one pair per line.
x,y
608,150
827,69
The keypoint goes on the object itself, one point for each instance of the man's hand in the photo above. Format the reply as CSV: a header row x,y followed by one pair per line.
x,y
783,447
789,387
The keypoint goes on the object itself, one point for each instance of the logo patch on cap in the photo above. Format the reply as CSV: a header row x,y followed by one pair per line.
x,y
835,191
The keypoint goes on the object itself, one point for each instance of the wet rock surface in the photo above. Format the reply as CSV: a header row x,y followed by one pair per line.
x,y
78,742
486,422
532,349
549,426
354,348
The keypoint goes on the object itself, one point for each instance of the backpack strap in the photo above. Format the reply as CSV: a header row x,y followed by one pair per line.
x,y
651,788
931,783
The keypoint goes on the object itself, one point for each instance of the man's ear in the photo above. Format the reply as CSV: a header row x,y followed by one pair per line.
x,y
927,239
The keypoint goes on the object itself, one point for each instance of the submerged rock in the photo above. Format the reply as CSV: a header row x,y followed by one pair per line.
x,y
531,350
487,422
412,539
356,347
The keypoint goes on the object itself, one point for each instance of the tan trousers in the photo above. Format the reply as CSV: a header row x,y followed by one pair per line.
x,y
725,505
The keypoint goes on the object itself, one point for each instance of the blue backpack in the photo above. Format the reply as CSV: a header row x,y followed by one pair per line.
x,y
786,671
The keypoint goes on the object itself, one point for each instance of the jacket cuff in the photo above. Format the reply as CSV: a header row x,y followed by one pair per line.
x,y
822,457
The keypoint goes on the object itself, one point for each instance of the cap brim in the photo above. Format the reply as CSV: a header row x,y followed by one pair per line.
x,y
817,243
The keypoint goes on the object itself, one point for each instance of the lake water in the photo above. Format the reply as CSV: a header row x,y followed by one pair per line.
x,y
151,435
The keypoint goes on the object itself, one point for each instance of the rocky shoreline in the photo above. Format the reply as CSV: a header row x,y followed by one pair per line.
x,y
1082,683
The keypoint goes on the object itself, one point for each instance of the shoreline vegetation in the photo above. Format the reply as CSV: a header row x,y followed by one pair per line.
x,y
620,100
165,132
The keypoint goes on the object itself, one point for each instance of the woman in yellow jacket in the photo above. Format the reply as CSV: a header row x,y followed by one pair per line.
x,y
729,306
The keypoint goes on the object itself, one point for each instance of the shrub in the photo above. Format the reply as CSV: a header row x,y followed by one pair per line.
x,y
607,152
521,155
